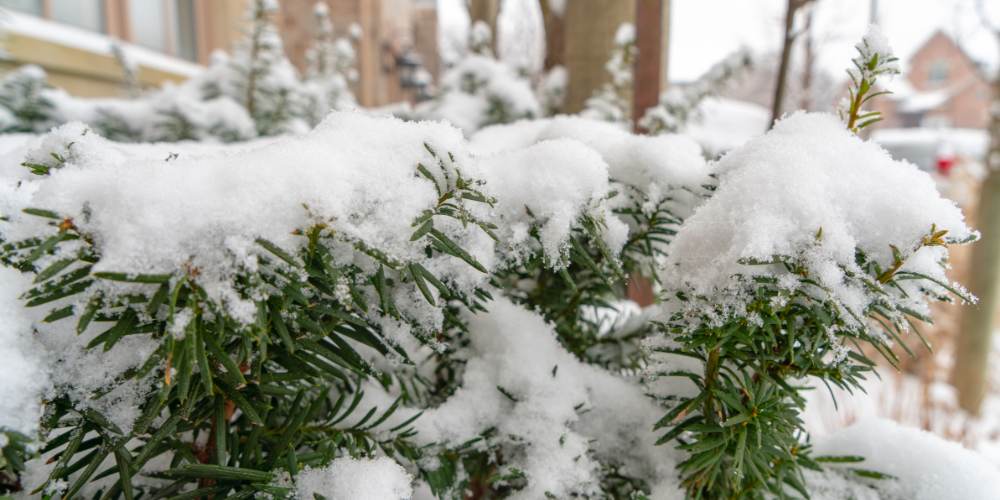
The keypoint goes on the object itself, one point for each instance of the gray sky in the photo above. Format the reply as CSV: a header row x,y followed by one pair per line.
x,y
704,31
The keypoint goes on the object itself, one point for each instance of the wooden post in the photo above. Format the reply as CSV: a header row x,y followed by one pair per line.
x,y
590,37
786,54
649,32
555,35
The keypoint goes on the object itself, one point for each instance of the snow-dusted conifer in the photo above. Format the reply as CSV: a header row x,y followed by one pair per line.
x,y
330,68
481,90
260,77
767,286
874,59
552,90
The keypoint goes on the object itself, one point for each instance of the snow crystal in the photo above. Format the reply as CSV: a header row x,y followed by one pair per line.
x,y
355,479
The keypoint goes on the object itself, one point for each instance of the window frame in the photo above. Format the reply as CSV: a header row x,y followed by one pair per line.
x,y
116,22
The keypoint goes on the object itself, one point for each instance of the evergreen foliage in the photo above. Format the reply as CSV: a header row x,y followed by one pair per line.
x,y
741,427
444,314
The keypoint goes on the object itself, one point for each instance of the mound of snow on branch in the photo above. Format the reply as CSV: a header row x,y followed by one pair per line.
x,y
813,191
355,479
663,168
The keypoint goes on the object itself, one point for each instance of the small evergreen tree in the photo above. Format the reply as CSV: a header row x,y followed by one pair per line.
x,y
330,68
260,77
480,90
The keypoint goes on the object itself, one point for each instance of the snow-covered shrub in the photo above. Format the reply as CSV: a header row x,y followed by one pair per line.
x,y
612,101
271,286
254,92
653,184
384,309
679,105
814,244
24,103
480,90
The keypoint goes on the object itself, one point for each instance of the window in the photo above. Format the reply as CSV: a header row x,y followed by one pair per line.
x,y
168,26
34,7
938,73
147,25
86,14
187,40
165,25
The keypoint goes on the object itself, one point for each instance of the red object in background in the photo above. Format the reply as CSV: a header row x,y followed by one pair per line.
x,y
944,164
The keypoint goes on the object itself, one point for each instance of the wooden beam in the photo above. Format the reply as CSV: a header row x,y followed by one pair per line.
x,y
649,42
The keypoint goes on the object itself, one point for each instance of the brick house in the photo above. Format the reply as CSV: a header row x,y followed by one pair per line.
x,y
171,40
943,87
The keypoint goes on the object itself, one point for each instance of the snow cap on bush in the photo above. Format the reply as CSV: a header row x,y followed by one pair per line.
x,y
551,183
811,190
654,166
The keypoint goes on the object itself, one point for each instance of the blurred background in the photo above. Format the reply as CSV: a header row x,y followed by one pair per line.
x,y
938,115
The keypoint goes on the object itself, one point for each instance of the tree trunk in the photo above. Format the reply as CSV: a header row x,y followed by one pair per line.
x,y
590,32
971,369
555,35
649,31
486,11
808,62
786,55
